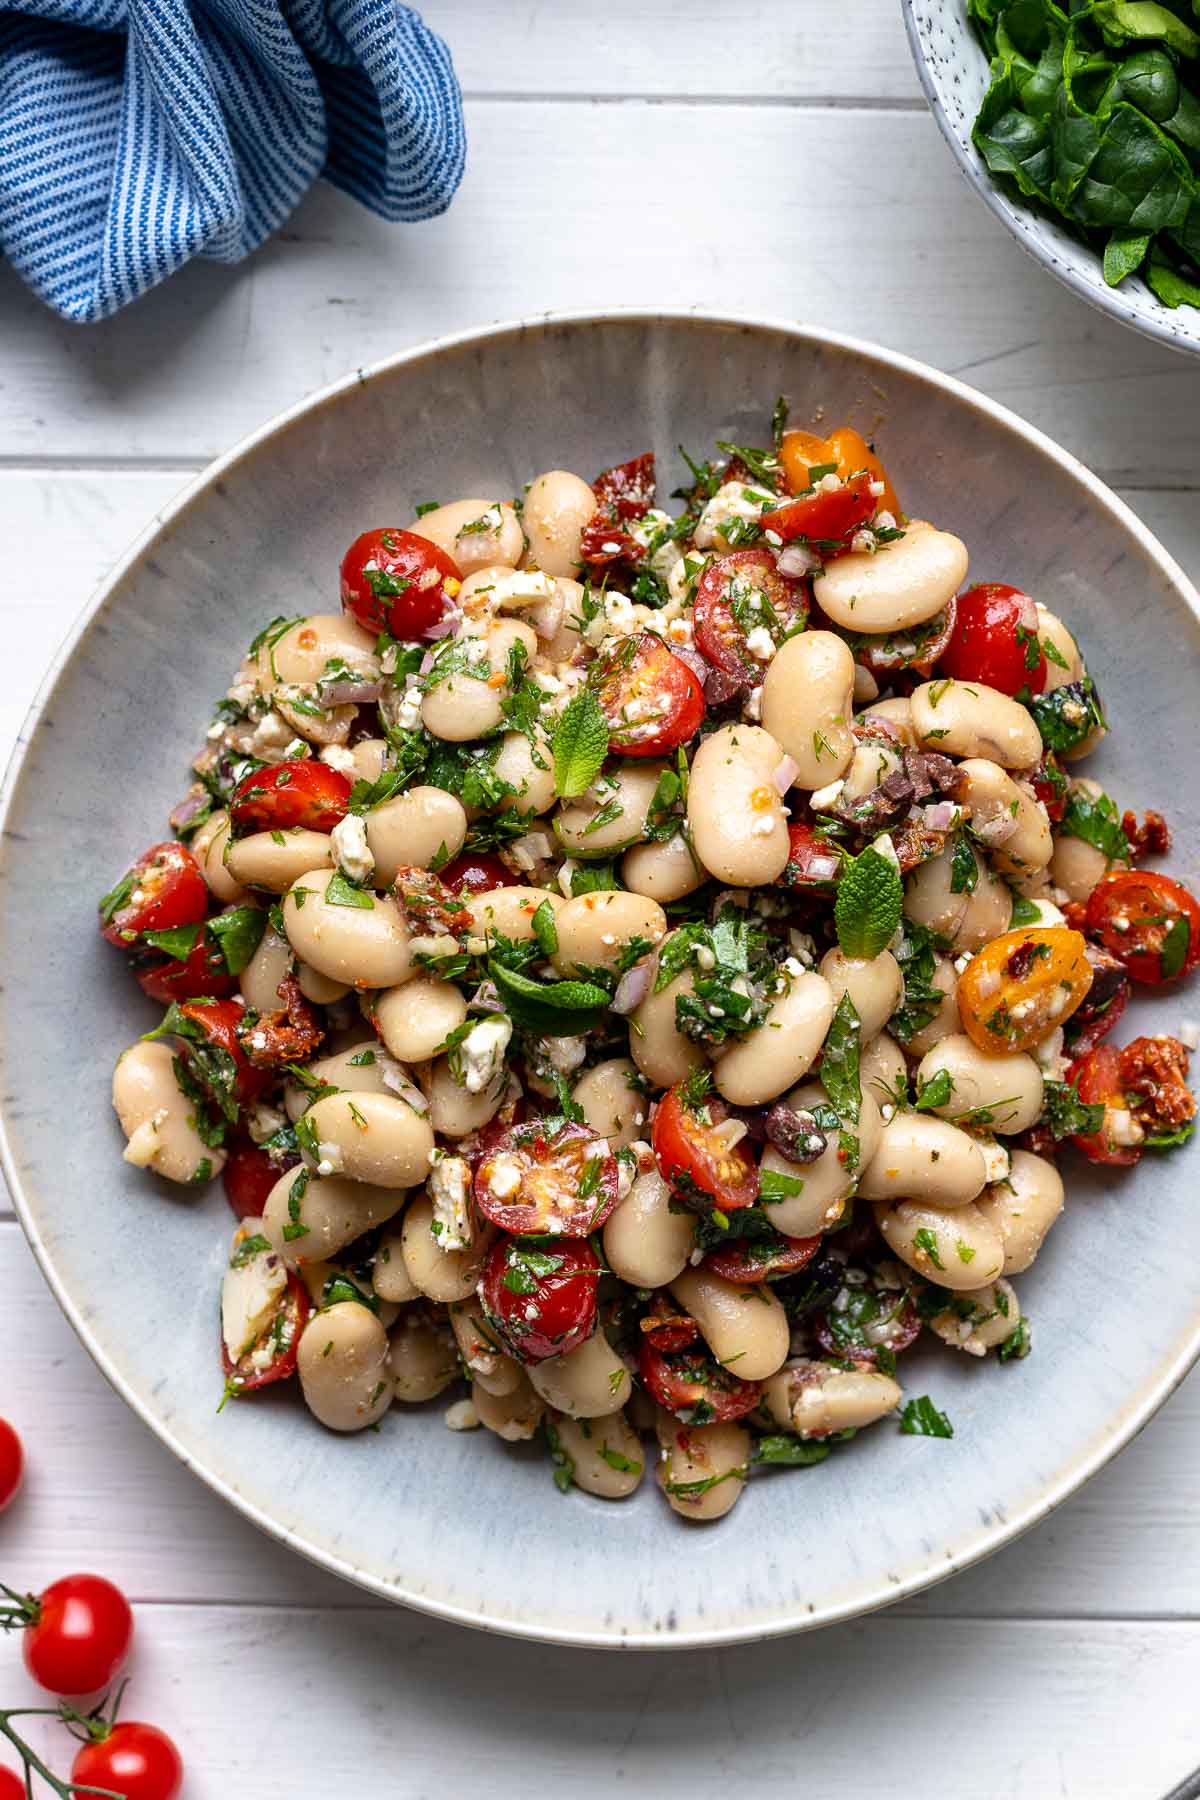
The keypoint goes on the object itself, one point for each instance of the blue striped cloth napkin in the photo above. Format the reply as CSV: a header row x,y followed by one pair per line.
x,y
136,134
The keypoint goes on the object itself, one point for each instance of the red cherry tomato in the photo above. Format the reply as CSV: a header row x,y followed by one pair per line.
x,y
282,1333
476,872
748,581
825,516
690,1152
559,1184
812,861
219,1021
304,793
690,1384
541,1297
136,1760
666,1328
746,1262
651,699
395,581
248,1177
996,640
12,1463
12,1786
1149,921
79,1636
204,975
1098,1076
164,889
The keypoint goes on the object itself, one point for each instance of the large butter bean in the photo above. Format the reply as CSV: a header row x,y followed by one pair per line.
x,y
453,1112
663,872
493,538
1005,817
380,1138
515,1415
814,1398
807,706
342,1364
606,1454
704,1467
488,1365
1076,866
389,1277
346,1069
903,584
965,718
588,1383
463,707
532,777
508,911
443,1275
370,757
746,1328
557,507
929,896
738,825
422,1361
260,979
647,1244
784,1047
1051,630
415,1020
874,984
366,947
413,830
1008,1087
1023,1208
967,1249
612,1102
920,1157
157,1119
275,859
829,1181
661,1052
208,847
988,911
880,1068
333,1212
319,988
298,657
626,794
594,930
946,1019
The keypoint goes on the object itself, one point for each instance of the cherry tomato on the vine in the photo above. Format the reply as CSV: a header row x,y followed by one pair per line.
x,y
12,1463
163,890
541,1297
739,595
204,975
650,698
301,792
396,581
693,1386
692,1152
1098,1078
995,640
78,1636
1149,921
559,1184
827,515
12,1787
476,872
136,1760
248,1177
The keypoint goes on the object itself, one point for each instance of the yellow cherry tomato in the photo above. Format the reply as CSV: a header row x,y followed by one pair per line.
x,y
1022,987
846,448
799,452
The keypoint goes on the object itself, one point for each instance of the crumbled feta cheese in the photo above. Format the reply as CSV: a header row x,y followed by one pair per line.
x,y
271,733
461,1416
523,587
883,846
763,825
752,705
1047,913
1120,1127
564,1053
732,500
482,1053
760,644
348,841
408,713
248,1298
960,962
826,798
341,759
997,1161
264,1121
449,1189
618,617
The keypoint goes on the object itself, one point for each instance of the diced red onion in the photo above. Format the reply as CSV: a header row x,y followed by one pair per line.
x,y
426,663
786,772
352,693
486,999
692,658
396,1077
634,985
187,809
995,831
444,627
531,849
941,816
795,560
822,868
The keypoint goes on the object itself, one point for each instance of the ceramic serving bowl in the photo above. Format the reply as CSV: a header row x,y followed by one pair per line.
x,y
458,1524
953,69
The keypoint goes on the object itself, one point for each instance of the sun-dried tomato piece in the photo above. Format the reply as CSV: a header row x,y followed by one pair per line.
x,y
430,905
603,543
915,843
291,1034
1153,1075
627,490
1151,838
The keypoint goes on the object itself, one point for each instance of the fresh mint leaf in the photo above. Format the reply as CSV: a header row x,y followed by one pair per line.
x,y
341,892
839,1061
870,900
239,934
551,1009
579,745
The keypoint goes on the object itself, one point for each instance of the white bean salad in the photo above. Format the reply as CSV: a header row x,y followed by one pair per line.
x,y
643,965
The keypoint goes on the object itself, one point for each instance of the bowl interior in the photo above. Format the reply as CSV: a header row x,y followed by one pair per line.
x,y
417,1512
953,68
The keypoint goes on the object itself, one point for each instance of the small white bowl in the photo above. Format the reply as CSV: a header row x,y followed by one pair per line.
x,y
953,68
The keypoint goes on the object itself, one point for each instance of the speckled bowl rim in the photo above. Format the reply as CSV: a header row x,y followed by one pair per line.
x,y
1129,1418
1112,302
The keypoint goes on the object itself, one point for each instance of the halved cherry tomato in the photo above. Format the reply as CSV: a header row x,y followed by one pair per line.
x,y
396,581
12,1463
476,872
846,1333
996,640
133,1759
219,1020
78,1635
248,1177
560,1184
691,1152
204,975
163,890
1025,984
749,581
541,1297
626,491
747,1261
281,1335
1050,784
826,515
651,699
912,651
812,861
665,1327
1149,921
284,795
692,1384
1098,1077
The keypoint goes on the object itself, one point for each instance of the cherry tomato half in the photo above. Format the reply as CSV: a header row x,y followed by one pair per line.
x,y
1098,1077
163,890
1021,986
541,1297
281,1334
136,1760
79,1637
203,975
693,1386
219,1020
1149,921
395,581
651,699
996,640
558,1184
476,872
691,1152
304,793
12,1463
248,1177
737,594
827,515
747,1261
812,861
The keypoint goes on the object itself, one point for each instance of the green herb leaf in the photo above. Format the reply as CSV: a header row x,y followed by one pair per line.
x,y
774,1185
870,900
1095,819
779,1452
964,867
1016,1345
921,1418
1065,1114
239,934
341,892
937,1091
178,942
551,1009
544,929
579,745
839,1061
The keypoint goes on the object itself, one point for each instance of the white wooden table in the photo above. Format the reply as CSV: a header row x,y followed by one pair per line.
x,y
741,155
